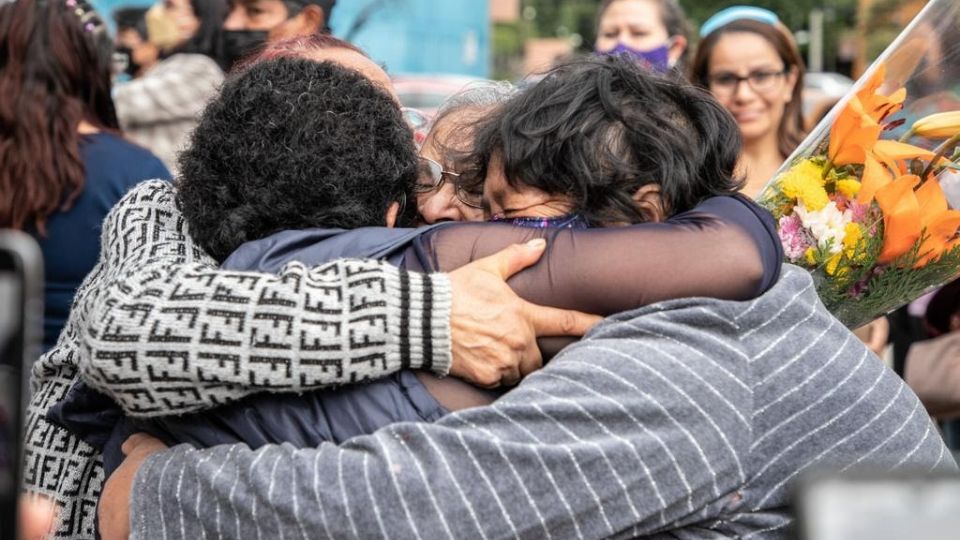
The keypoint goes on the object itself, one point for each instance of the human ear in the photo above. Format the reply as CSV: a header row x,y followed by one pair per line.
x,y
312,19
650,203
393,212
678,45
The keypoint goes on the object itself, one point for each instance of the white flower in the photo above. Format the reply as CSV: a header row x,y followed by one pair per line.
x,y
826,225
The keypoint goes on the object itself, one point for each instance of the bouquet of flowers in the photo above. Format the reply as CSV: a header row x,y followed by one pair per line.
x,y
861,204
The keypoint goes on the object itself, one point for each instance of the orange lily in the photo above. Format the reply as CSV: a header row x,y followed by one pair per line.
x,y
894,152
880,160
901,217
857,127
875,176
937,219
875,104
852,134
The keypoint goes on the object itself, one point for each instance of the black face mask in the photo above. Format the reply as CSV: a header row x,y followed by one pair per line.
x,y
236,44
123,61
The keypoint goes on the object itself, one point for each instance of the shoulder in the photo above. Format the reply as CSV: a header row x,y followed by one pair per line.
x,y
111,156
193,65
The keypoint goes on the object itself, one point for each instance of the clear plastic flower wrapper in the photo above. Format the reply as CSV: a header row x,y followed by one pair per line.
x,y
868,201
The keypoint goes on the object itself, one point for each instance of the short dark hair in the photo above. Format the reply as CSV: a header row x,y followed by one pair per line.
x,y
132,18
293,144
599,128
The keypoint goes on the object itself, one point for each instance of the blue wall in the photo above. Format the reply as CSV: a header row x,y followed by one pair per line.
x,y
422,36
407,36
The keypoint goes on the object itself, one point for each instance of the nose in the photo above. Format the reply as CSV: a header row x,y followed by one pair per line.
x,y
440,205
236,19
743,92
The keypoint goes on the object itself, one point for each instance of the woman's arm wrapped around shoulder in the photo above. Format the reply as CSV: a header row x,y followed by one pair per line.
x,y
170,333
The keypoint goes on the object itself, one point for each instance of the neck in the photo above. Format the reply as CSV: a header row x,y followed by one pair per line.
x,y
86,128
759,161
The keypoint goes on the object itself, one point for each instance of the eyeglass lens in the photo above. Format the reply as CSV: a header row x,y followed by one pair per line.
x,y
759,81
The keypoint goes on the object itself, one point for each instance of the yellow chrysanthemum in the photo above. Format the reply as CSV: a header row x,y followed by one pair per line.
x,y
810,255
832,264
852,235
849,188
804,182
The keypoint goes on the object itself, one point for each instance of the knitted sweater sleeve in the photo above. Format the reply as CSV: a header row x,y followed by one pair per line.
x,y
172,333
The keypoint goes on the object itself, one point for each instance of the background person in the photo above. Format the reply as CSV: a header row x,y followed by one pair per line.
x,y
63,163
654,32
750,62
160,106
251,23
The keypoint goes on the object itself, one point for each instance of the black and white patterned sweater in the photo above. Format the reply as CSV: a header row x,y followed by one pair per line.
x,y
211,336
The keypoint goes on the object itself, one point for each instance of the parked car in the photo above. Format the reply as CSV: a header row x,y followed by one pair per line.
x,y
427,91
821,91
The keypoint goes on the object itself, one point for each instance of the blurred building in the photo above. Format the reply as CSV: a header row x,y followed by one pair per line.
x,y
421,36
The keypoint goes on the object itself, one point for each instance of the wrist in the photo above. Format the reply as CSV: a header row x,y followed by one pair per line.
x,y
422,303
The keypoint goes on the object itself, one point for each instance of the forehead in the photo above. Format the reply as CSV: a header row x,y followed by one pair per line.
x,y
454,130
747,50
357,62
636,12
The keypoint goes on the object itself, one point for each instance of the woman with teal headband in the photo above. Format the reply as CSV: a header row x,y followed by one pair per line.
x,y
751,64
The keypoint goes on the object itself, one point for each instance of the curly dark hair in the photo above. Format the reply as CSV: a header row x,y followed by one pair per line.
x,y
597,129
292,144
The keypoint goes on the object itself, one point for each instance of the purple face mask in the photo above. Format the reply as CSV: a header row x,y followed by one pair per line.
x,y
656,59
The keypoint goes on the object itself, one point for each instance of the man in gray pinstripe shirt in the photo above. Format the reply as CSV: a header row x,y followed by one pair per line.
x,y
688,418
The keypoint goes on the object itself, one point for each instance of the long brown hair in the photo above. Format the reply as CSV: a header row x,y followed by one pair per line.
x,y
790,132
55,69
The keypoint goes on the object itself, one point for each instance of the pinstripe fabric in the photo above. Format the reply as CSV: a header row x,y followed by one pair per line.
x,y
689,418
209,336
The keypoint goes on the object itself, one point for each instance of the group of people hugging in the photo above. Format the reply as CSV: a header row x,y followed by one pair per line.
x,y
319,366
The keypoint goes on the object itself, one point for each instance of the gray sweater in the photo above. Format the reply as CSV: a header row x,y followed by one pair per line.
x,y
690,417
192,336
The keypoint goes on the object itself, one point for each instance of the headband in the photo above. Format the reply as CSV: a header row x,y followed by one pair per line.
x,y
737,13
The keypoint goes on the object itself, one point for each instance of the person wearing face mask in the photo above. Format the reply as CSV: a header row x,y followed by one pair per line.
x,y
251,23
171,57
654,32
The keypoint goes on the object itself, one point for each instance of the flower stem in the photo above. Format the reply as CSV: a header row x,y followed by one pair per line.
x,y
940,152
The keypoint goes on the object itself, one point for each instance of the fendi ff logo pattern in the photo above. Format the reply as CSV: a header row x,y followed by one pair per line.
x,y
208,334
161,330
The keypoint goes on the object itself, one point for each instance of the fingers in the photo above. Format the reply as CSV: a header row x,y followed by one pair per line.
x,y
515,258
548,321
140,440
37,516
531,360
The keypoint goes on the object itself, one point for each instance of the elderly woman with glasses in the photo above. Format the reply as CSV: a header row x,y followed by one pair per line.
x,y
750,62
440,189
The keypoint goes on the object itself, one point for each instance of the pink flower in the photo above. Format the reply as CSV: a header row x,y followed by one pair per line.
x,y
794,238
858,212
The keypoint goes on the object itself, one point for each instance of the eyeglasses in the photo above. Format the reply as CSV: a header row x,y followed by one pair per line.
x,y
431,176
761,81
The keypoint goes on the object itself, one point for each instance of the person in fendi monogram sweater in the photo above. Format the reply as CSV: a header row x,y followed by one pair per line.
x,y
334,324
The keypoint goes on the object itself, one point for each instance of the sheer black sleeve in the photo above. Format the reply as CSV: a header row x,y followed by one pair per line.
x,y
727,248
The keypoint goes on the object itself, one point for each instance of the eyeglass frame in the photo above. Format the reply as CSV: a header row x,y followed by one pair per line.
x,y
740,79
438,183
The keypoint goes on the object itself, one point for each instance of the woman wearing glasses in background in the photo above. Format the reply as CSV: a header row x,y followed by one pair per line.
x,y
751,64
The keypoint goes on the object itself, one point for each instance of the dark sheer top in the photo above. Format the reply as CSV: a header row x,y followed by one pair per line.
x,y
726,247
